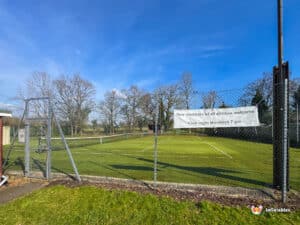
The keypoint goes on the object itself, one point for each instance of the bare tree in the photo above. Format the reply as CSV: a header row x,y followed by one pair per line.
x,y
84,93
264,85
168,98
64,101
147,110
210,99
38,85
186,89
147,106
74,100
94,125
110,109
131,106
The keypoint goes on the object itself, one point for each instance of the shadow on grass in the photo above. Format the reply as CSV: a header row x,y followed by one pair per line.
x,y
126,167
63,172
17,162
216,172
40,166
114,168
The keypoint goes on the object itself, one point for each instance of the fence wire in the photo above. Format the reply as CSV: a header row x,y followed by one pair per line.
x,y
236,156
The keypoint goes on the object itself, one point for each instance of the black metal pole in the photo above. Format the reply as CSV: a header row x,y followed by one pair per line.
x,y
280,38
283,73
278,94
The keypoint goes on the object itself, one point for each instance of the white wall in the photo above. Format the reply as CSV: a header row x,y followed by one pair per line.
x,y
6,135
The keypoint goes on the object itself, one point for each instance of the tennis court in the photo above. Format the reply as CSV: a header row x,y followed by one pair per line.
x,y
181,158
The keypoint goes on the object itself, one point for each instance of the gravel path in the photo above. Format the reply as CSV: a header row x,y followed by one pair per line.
x,y
17,187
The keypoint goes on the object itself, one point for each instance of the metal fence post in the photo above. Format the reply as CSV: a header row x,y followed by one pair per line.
x,y
297,123
66,146
155,146
49,148
27,140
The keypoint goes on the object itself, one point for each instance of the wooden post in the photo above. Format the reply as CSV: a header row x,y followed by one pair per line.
x,y
1,141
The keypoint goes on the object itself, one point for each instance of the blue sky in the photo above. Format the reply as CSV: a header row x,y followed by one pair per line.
x,y
224,44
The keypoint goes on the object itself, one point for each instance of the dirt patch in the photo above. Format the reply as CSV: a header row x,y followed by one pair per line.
x,y
19,186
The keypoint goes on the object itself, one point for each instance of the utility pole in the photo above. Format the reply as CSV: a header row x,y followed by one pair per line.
x,y
280,114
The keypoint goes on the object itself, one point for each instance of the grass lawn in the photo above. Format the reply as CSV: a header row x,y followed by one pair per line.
x,y
91,205
188,159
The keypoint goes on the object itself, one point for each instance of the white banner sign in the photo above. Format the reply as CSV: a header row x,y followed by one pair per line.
x,y
212,118
21,135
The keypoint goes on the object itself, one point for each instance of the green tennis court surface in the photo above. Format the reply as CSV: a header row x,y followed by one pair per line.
x,y
184,159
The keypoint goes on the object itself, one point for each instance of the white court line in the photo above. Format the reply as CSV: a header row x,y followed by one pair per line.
x,y
216,148
103,153
93,153
147,148
152,146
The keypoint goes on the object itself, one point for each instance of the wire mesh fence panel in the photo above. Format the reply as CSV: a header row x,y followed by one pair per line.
x,y
230,156
76,142
14,152
122,156
294,141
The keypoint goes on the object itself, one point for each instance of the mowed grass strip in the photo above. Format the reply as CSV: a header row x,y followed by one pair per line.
x,y
91,205
183,159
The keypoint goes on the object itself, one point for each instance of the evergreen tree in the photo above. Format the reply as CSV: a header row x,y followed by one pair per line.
x,y
260,102
223,105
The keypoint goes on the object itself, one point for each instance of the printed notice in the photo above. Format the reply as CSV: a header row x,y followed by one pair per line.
x,y
213,118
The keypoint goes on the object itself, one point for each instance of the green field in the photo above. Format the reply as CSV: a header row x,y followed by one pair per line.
x,y
184,159
91,205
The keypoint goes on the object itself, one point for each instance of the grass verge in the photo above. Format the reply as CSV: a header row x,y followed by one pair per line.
x,y
91,205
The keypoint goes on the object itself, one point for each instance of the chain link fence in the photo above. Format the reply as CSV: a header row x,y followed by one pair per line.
x,y
236,156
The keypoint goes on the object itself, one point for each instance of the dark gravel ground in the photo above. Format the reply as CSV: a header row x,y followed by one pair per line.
x,y
221,195
230,196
